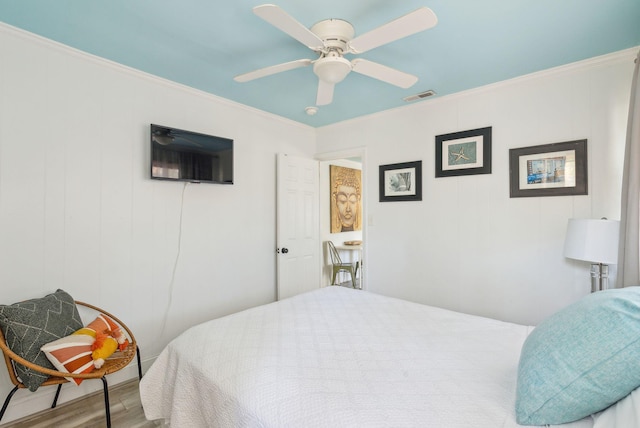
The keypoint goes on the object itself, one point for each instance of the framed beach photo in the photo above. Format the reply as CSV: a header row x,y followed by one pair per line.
x,y
464,153
401,182
557,169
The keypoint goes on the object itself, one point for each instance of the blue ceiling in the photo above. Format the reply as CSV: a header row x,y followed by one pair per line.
x,y
204,44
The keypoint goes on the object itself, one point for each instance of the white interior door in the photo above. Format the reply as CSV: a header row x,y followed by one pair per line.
x,y
298,225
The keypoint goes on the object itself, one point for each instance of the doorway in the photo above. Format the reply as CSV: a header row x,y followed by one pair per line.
x,y
351,159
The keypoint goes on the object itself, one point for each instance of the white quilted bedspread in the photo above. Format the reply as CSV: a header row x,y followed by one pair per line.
x,y
337,357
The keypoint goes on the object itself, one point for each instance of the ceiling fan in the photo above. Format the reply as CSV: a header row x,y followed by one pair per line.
x,y
331,39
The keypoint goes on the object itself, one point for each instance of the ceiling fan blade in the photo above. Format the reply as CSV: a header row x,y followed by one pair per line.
x,y
325,93
384,73
268,71
419,20
280,19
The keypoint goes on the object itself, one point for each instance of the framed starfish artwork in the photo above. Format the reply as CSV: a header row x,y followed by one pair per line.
x,y
464,153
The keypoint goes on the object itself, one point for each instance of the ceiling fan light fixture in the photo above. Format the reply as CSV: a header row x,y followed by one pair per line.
x,y
332,69
163,140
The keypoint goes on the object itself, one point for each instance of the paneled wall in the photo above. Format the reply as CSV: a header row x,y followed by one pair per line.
x,y
467,245
79,212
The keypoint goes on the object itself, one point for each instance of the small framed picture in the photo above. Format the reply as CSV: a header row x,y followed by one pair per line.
x,y
401,182
464,153
557,169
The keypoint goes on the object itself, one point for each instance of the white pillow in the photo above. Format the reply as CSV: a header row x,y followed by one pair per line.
x,y
625,413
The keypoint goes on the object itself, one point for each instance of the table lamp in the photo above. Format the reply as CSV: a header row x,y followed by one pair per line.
x,y
595,241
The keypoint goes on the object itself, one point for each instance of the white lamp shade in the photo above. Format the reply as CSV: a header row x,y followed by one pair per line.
x,y
592,240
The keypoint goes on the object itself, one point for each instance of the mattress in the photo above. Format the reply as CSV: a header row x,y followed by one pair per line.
x,y
338,357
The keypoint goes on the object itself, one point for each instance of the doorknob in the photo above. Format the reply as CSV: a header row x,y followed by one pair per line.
x,y
285,250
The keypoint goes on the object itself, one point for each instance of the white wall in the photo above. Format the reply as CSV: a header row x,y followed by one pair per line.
x,y
79,212
467,245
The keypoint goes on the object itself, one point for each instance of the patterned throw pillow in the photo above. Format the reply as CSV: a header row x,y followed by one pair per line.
x,y
71,354
30,324
76,353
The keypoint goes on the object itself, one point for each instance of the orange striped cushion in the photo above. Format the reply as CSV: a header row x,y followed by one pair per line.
x,y
99,325
71,354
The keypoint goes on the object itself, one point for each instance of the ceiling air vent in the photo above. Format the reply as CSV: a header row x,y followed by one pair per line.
x,y
419,96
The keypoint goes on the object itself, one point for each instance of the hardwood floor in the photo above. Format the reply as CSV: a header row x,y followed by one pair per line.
x,y
88,412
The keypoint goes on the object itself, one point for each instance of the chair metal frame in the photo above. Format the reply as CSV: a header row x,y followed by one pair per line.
x,y
338,265
116,362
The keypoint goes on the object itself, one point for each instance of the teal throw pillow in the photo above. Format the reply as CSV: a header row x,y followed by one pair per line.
x,y
580,360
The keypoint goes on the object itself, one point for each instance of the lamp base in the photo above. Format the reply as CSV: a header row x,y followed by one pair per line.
x,y
599,277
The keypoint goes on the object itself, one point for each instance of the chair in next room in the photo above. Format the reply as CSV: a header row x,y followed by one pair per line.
x,y
338,265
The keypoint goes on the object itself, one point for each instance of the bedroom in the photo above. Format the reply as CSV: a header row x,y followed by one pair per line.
x,y
78,212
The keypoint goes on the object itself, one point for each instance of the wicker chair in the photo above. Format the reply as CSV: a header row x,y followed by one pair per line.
x,y
117,361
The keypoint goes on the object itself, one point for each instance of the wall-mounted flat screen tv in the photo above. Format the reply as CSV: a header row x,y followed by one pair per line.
x,y
182,155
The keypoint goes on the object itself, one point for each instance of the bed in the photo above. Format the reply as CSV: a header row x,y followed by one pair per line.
x,y
338,357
